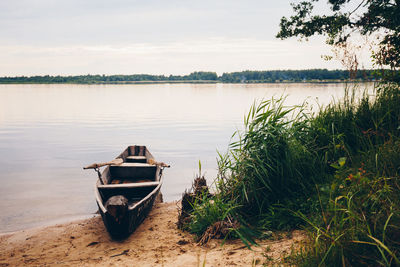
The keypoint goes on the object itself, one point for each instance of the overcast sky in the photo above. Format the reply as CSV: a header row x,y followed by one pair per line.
x,y
68,37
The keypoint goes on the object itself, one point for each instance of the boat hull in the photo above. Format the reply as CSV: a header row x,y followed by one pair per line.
x,y
138,182
131,221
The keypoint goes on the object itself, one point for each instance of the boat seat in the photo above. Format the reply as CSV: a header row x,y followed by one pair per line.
x,y
132,185
128,181
134,164
139,159
133,170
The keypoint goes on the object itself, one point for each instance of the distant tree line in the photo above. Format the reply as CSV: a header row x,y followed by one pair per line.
x,y
294,75
86,79
203,76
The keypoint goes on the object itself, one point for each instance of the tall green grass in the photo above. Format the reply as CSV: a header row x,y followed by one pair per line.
x,y
273,165
335,172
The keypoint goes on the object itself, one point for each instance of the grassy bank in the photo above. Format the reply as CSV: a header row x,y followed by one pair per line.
x,y
334,173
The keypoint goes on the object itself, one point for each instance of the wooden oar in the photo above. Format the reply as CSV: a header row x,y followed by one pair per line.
x,y
161,164
98,165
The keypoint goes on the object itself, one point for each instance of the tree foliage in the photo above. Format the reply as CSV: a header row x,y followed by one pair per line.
x,y
380,17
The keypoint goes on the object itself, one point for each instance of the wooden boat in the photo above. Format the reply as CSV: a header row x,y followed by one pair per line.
x,y
126,189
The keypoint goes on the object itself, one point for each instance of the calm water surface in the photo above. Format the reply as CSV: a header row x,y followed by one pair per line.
x,y
49,132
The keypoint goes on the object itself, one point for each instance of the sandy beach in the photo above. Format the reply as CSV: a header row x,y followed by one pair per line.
x,y
156,242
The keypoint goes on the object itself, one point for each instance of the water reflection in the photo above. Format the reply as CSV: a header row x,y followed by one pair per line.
x,y
48,132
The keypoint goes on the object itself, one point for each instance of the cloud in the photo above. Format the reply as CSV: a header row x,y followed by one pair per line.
x,y
153,36
72,22
214,54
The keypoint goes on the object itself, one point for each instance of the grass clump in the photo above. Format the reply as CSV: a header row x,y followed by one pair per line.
x,y
212,217
335,172
208,216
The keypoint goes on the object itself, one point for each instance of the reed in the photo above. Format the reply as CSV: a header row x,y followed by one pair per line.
x,y
273,166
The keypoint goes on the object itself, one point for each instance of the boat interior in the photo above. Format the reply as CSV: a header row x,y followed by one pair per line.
x,y
134,178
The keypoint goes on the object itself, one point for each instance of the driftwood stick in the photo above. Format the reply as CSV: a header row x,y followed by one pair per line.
x,y
117,161
125,252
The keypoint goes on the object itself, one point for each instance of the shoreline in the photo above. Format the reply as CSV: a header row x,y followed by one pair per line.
x,y
63,220
157,241
192,82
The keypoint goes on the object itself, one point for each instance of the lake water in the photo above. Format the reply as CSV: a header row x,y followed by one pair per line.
x,y
49,132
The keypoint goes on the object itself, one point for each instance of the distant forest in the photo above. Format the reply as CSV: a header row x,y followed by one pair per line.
x,y
271,76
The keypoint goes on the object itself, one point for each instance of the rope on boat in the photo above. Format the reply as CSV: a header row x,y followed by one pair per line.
x,y
97,169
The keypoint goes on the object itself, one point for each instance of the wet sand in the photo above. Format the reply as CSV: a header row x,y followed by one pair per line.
x,y
156,242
